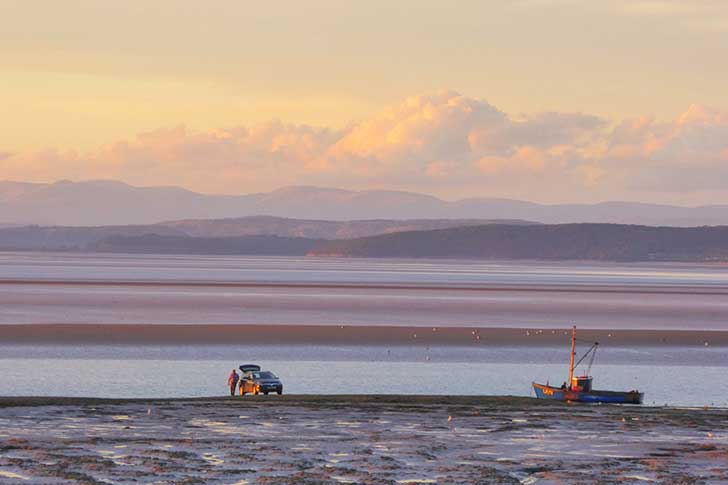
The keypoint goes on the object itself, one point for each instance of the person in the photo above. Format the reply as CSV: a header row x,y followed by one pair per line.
x,y
233,381
563,386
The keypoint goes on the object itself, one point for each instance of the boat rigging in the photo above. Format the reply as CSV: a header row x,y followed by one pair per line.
x,y
579,388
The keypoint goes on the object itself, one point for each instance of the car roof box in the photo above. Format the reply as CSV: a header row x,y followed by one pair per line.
x,y
250,368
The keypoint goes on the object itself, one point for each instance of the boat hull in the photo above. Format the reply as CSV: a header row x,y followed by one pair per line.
x,y
594,396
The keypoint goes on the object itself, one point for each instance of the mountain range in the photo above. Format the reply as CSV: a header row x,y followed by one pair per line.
x,y
389,239
80,238
95,203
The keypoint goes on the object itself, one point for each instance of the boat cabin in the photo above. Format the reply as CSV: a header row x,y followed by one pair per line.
x,y
581,384
579,388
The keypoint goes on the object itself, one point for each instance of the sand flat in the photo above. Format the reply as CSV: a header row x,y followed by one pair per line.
x,y
387,439
297,334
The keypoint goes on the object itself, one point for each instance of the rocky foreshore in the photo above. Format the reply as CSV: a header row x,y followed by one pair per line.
x,y
354,439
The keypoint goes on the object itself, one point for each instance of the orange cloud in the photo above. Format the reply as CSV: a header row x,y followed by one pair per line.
x,y
443,141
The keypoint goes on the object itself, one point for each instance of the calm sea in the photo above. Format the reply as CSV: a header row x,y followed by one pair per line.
x,y
44,288
668,375
71,288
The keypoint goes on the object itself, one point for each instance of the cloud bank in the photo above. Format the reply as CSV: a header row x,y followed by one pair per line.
x,y
445,143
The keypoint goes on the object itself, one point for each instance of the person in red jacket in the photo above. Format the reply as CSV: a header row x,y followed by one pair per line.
x,y
233,381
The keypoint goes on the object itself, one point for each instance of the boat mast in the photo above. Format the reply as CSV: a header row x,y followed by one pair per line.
x,y
573,354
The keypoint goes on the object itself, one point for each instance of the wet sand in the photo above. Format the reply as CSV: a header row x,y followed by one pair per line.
x,y
353,439
134,334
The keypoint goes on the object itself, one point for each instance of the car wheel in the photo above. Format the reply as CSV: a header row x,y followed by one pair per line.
x,y
265,392
280,391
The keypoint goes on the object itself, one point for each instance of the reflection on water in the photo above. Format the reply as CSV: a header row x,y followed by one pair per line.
x,y
115,267
669,375
278,290
42,288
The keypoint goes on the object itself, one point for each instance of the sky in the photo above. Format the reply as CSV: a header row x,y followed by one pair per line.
x,y
545,100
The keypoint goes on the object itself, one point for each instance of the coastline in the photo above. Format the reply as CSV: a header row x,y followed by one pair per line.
x,y
286,334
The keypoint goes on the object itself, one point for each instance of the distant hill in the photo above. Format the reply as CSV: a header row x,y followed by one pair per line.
x,y
597,242
316,229
36,238
82,238
474,239
96,203
246,245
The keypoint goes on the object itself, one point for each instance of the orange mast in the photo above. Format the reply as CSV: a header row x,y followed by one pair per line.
x,y
573,354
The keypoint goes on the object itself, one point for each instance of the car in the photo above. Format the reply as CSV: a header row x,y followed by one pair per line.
x,y
254,381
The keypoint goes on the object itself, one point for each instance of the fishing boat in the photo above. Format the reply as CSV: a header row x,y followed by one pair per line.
x,y
579,388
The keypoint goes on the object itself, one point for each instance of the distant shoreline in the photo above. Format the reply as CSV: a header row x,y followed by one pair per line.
x,y
426,239
287,334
